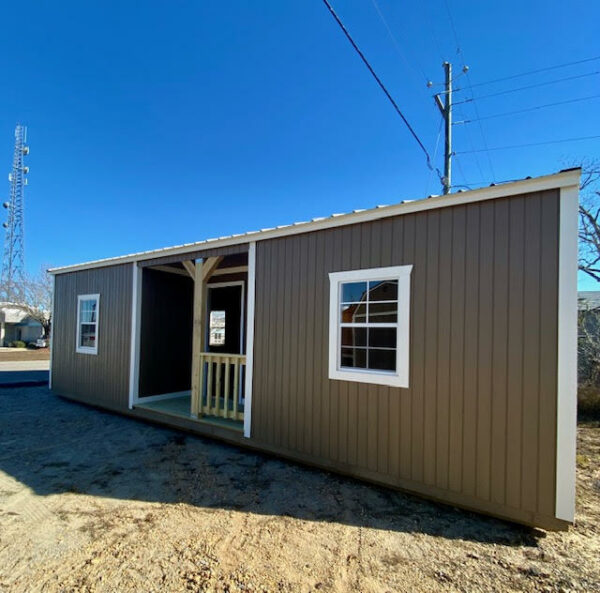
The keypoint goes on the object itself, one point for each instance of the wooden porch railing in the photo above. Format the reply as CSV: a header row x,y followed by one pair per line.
x,y
220,385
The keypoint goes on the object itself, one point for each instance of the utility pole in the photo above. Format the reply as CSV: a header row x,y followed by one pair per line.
x,y
445,108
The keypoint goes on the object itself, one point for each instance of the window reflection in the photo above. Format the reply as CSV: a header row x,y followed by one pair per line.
x,y
217,328
369,316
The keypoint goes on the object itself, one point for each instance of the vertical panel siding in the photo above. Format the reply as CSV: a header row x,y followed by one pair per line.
x,y
418,347
485,339
457,350
548,340
517,245
471,362
479,418
101,378
499,352
403,240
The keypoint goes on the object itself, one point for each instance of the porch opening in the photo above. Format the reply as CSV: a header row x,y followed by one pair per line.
x,y
192,337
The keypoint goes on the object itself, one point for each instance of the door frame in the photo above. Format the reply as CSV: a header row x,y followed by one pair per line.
x,y
242,303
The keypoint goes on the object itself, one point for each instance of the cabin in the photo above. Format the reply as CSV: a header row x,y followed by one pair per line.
x,y
427,346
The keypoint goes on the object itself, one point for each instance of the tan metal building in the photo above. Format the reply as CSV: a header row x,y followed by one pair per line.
x,y
428,346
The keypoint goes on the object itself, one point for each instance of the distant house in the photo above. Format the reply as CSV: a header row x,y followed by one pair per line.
x,y
428,345
17,325
588,300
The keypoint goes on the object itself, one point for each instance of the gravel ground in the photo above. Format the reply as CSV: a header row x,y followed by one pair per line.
x,y
95,502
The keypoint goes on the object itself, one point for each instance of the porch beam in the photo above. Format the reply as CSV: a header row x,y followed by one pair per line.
x,y
171,270
232,270
210,265
190,268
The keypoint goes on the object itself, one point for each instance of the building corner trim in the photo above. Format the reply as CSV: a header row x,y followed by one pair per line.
x,y
566,417
52,325
250,339
134,354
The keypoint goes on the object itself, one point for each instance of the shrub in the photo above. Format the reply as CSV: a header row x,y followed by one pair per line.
x,y
18,344
588,402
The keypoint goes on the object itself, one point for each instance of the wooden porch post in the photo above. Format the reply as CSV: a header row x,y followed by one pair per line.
x,y
203,271
198,333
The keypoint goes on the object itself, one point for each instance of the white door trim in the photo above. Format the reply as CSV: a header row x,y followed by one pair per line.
x,y
136,319
250,339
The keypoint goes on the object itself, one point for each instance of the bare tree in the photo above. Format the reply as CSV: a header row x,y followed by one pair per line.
x,y
589,219
37,302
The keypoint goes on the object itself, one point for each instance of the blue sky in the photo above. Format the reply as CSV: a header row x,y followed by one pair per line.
x,y
152,123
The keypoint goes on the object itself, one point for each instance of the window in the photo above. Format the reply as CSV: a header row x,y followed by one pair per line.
x,y
216,336
369,325
87,323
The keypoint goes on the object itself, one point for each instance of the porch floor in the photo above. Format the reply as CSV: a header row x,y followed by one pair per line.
x,y
179,405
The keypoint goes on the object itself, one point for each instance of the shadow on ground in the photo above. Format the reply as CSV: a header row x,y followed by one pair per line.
x,y
23,378
54,446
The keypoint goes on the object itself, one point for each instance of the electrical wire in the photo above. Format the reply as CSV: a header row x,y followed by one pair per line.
x,y
476,156
458,49
531,86
468,121
537,71
395,42
437,143
485,144
459,52
467,184
529,144
380,83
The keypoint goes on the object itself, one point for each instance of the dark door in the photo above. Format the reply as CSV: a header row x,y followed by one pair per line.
x,y
225,319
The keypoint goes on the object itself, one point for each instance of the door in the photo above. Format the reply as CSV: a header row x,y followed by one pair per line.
x,y
225,335
225,320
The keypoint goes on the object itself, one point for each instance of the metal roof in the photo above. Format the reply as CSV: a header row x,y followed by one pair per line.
x,y
565,178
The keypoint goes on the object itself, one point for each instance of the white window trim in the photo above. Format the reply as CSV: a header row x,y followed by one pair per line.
x,y
336,372
87,349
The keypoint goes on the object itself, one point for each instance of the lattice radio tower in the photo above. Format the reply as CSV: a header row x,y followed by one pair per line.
x,y
13,262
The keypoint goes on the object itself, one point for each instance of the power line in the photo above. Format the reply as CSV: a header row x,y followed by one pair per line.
x,y
464,177
437,143
458,49
531,86
468,121
475,106
530,144
537,71
485,144
395,41
477,160
378,80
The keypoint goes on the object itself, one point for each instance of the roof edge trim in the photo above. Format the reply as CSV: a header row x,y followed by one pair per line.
x,y
568,178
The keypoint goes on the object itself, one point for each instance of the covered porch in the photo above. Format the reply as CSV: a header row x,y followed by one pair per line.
x,y
192,318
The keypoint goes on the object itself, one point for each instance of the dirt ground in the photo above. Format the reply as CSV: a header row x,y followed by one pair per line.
x,y
95,502
14,354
